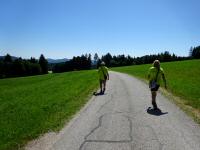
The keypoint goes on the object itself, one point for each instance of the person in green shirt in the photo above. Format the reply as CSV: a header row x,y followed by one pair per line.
x,y
103,76
154,76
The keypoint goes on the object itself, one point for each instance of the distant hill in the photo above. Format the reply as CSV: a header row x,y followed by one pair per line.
x,y
13,57
55,61
50,61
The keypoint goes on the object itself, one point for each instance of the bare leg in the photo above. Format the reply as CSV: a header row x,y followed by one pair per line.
x,y
100,82
153,94
104,85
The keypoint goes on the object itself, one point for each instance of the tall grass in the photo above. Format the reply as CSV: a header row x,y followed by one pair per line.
x,y
183,78
30,106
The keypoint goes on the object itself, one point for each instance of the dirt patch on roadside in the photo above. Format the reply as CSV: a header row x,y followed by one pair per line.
x,y
44,142
194,113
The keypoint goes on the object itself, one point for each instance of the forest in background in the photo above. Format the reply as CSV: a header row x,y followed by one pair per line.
x,y
18,67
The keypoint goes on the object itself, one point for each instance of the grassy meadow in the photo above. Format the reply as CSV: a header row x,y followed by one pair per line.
x,y
34,105
183,79
31,106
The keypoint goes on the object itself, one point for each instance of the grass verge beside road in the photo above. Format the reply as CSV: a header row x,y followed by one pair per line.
x,y
183,81
31,106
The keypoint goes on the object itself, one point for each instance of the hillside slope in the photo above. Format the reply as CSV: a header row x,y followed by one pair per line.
x,y
34,105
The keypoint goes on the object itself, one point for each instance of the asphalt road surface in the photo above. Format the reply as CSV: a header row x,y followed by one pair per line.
x,y
122,120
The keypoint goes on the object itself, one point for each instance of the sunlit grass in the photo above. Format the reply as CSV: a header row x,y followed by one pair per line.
x,y
31,106
183,78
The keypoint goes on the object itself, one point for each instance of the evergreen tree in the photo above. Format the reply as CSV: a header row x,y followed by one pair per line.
x,y
190,51
89,61
44,64
196,52
96,57
107,58
8,58
33,60
166,56
18,68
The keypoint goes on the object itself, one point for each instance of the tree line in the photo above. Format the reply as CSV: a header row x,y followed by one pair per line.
x,y
194,52
26,67
122,60
17,67
82,62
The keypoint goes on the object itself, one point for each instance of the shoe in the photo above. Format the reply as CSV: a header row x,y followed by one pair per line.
x,y
155,108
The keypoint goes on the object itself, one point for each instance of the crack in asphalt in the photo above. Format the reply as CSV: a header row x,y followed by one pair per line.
x,y
107,141
119,120
111,97
120,141
108,101
150,127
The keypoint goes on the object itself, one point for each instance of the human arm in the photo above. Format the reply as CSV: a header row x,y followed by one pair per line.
x,y
107,76
148,74
164,79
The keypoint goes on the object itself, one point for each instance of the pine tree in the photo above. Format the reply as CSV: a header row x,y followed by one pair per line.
x,y
96,57
190,51
8,58
89,60
44,64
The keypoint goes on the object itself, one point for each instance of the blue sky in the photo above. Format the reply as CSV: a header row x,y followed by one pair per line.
x,y
66,28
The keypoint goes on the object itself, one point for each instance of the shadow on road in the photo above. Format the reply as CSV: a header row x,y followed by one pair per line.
x,y
156,112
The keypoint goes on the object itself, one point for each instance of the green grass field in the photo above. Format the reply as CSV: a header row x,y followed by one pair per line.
x,y
34,105
31,106
183,78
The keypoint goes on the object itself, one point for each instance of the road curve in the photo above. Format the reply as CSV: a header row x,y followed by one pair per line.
x,y
121,120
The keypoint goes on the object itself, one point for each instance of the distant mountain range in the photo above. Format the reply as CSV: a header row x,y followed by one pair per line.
x,y
55,61
51,61
13,57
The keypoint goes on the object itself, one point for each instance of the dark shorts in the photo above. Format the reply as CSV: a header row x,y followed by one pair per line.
x,y
156,88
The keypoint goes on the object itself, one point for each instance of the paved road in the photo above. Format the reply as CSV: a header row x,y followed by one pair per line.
x,y
121,120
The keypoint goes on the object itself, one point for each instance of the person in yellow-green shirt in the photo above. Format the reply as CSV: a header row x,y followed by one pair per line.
x,y
103,76
154,76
